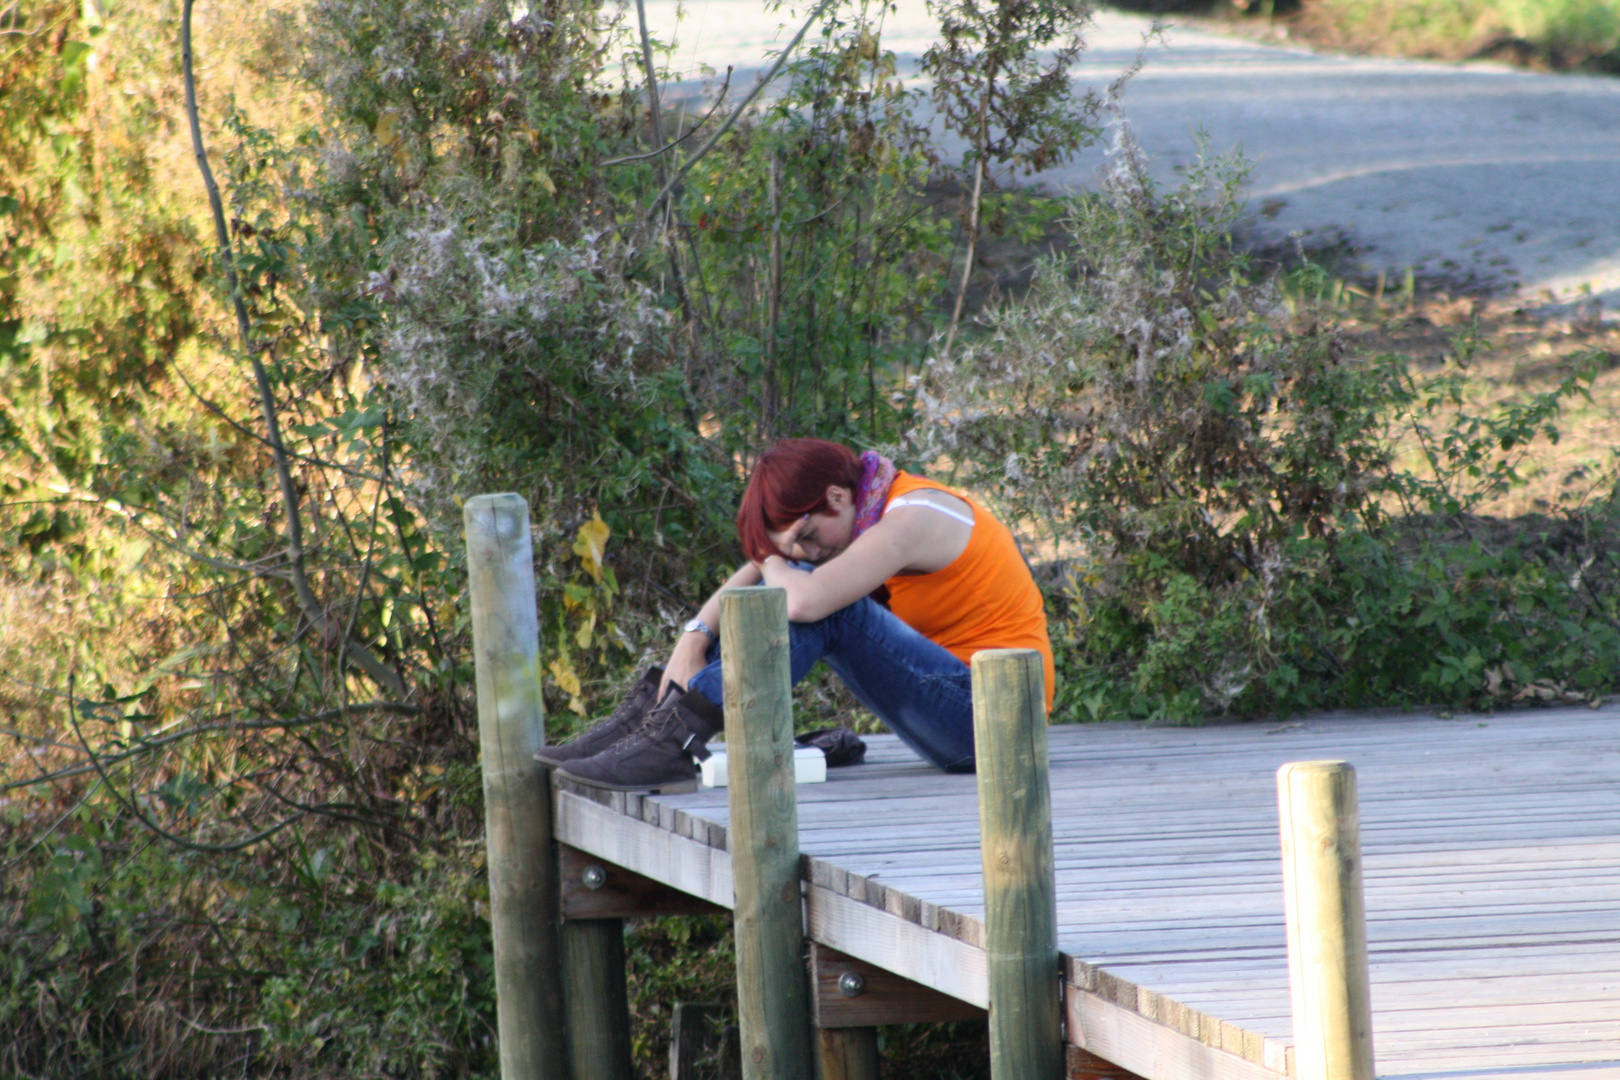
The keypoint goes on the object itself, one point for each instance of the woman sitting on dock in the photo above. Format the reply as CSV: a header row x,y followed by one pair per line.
x,y
910,580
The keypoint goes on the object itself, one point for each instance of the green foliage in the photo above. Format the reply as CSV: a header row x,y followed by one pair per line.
x,y
999,83
1560,33
224,849
1242,532
679,958
354,943
239,859
813,258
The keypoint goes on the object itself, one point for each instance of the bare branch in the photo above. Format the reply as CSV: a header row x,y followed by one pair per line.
x,y
667,147
129,803
255,436
742,107
313,609
148,745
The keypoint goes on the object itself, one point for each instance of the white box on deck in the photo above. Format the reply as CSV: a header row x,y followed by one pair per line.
x,y
809,767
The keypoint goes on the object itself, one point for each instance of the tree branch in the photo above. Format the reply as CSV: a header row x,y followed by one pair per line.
x,y
742,107
313,609
667,147
148,745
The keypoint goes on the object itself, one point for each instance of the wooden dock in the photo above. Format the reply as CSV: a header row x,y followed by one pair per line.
x,y
1492,875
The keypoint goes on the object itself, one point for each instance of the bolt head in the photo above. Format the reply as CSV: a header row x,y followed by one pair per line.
x,y
851,983
594,877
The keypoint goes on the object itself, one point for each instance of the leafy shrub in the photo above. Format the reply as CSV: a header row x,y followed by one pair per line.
x,y
1562,33
1221,478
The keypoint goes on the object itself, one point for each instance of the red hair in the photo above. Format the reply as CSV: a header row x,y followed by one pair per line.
x,y
790,480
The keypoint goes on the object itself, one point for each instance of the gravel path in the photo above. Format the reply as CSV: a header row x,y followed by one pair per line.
x,y
1474,175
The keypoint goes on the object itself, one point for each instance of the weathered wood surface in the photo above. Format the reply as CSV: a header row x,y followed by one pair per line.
x,y
1015,854
773,991
1492,878
596,1001
1326,919
521,859
879,996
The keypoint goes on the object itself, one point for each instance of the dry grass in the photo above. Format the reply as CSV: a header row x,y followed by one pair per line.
x,y
1518,354
1538,34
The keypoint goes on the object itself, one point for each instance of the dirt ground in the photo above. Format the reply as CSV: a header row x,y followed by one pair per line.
x,y
1520,352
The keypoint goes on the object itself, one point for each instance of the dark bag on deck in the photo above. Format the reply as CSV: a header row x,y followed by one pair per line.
x,y
841,745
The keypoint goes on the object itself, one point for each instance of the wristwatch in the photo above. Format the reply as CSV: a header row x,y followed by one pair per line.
x,y
699,624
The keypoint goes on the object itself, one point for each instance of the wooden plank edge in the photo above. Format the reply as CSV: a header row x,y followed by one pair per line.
x,y
648,849
1146,1033
1273,1057
1149,1048
897,944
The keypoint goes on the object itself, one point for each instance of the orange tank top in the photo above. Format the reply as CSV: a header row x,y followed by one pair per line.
x,y
985,599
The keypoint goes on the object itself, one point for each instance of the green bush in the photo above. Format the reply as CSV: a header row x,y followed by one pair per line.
x,y
1218,476
1562,33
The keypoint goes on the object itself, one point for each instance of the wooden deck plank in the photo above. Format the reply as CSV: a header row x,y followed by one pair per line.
x,y
1492,903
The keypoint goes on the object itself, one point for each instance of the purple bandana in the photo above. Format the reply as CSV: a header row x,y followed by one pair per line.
x,y
877,473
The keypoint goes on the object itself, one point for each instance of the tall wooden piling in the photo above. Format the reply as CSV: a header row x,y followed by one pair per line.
x,y
848,1053
1327,922
597,1000
773,996
519,852
1020,896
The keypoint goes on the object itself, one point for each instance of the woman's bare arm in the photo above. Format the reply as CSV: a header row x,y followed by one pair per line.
x,y
690,654
911,538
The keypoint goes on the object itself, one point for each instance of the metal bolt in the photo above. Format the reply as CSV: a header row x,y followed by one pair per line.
x,y
850,984
594,877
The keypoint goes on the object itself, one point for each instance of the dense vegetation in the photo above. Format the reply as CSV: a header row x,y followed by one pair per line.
x,y
1560,34
460,248
1580,35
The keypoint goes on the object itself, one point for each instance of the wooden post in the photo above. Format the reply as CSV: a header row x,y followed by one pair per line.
x,y
773,994
598,1003
1020,896
523,893
696,1031
848,1053
1327,921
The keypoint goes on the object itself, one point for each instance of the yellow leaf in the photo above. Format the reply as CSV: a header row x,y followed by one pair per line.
x,y
564,673
387,129
544,179
568,680
590,544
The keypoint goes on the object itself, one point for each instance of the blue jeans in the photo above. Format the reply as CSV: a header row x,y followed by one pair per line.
x,y
922,692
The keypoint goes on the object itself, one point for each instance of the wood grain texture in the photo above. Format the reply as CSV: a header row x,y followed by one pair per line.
x,y
773,998
1020,900
1326,921
941,961
691,866
597,1004
523,894
1492,874
849,1053
1149,1049
1084,1065
884,998
623,894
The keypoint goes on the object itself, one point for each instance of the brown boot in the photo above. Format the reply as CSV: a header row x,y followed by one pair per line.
x,y
661,755
631,711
